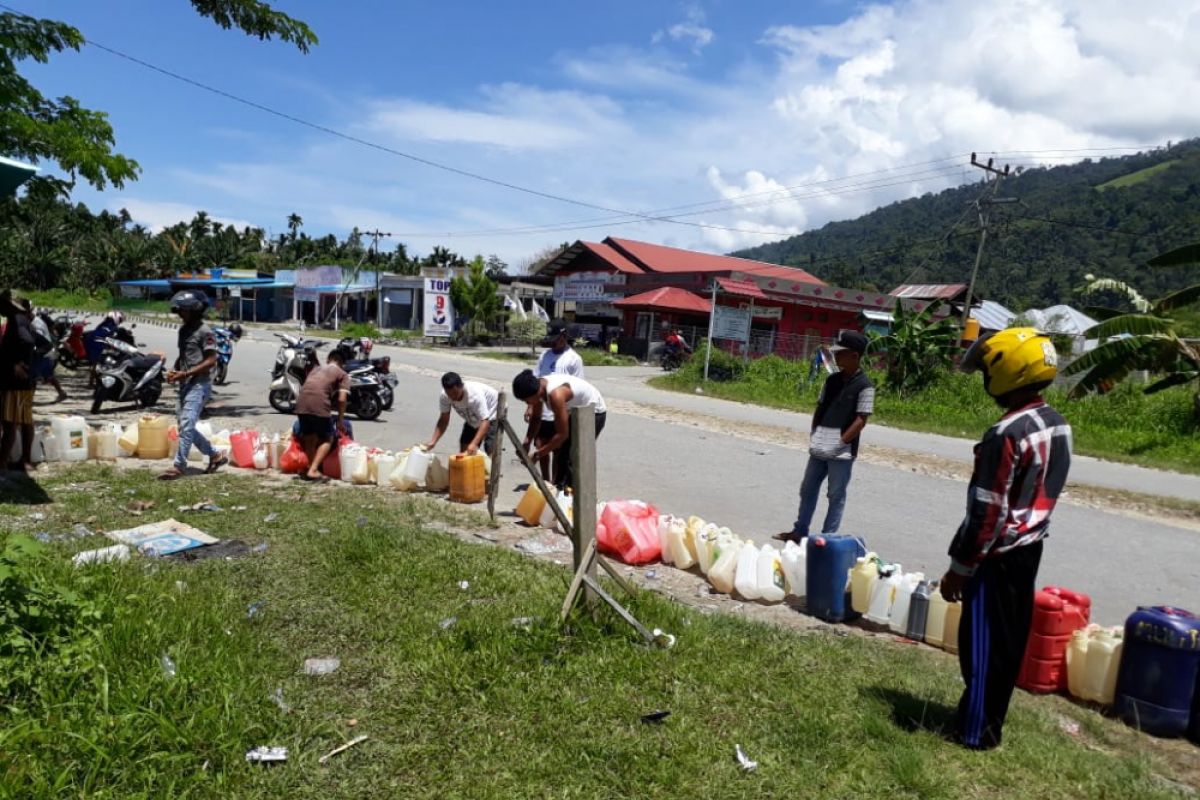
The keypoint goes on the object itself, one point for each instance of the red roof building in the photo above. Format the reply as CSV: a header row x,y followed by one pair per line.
x,y
597,284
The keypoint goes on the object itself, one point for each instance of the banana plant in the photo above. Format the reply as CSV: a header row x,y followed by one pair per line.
x,y
1142,339
917,349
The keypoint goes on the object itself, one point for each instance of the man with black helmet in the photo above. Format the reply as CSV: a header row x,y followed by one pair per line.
x,y
192,373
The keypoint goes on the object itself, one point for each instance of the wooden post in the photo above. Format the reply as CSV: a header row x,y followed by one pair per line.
x,y
583,480
497,447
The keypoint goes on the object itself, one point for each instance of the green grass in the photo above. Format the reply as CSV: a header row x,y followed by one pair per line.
x,y
482,708
1134,178
79,300
1125,425
591,357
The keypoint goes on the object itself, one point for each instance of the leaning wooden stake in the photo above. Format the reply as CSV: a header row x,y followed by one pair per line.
x,y
497,448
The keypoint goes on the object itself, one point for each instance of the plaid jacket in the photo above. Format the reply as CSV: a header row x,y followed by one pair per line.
x,y
1021,467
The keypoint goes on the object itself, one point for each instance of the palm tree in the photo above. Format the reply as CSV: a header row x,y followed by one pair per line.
x,y
294,222
1142,339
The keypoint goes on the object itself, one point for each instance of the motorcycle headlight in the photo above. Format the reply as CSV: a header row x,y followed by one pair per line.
x,y
109,381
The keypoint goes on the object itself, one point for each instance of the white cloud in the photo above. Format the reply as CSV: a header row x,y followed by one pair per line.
x,y
692,30
810,107
157,215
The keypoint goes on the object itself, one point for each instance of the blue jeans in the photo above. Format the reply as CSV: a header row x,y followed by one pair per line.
x,y
818,469
192,397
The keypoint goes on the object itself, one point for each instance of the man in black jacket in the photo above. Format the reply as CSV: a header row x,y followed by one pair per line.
x,y
17,380
847,399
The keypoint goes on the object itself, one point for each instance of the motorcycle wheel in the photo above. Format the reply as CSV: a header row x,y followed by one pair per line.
x,y
149,396
220,374
386,398
68,361
282,401
368,406
98,398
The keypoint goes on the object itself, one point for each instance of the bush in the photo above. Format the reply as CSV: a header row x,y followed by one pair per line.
x,y
361,329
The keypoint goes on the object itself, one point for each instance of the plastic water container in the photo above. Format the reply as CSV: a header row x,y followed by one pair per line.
x,y
417,466
360,475
72,433
1057,614
1160,668
918,611
275,448
242,444
935,620
794,563
723,572
50,447
468,481
530,506
746,578
772,586
152,437
38,451
566,504
694,526
898,619
883,595
1093,660
950,627
384,464
102,443
681,554
830,558
664,540
862,580
261,459
348,460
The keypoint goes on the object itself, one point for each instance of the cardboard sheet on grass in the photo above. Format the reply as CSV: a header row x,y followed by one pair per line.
x,y
162,538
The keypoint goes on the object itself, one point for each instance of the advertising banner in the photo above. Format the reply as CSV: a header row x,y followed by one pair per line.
x,y
439,313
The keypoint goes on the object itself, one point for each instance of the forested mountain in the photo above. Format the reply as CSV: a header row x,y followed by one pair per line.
x,y
1104,217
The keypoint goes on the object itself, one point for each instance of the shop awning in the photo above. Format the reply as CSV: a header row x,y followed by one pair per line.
x,y
667,298
740,288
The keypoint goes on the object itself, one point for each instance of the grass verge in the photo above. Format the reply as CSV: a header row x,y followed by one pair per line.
x,y
458,699
78,300
590,356
1125,425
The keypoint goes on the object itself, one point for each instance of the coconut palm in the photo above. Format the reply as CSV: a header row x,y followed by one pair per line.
x,y
294,222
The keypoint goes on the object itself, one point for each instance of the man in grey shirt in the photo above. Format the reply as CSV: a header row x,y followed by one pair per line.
x,y
197,357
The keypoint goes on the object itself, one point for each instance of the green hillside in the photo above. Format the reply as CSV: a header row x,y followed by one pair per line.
x,y
1062,229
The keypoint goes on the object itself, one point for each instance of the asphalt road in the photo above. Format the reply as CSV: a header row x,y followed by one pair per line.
x,y
696,455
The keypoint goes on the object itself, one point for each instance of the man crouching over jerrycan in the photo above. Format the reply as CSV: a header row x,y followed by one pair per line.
x,y
1021,467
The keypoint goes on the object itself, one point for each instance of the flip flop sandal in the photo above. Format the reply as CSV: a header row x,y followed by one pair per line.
x,y
170,475
216,464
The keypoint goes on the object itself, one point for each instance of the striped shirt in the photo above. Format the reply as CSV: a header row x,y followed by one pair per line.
x,y
1021,468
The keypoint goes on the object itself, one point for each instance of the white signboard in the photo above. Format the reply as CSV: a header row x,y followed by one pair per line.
x,y
731,323
766,312
235,292
589,287
439,313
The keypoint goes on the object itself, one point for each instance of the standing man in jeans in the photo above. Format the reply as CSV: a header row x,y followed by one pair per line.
x,y
197,357
847,399
17,382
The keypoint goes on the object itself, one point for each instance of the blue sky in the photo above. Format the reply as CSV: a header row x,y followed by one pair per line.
x,y
631,106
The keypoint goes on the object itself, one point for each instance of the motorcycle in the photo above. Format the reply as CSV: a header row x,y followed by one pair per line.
x,y
125,373
72,353
673,358
296,358
365,401
357,354
225,339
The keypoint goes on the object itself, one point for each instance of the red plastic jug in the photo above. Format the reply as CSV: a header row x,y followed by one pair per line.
x,y
629,531
242,444
1057,613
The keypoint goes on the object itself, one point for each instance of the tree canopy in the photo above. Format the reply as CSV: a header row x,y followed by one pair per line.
x,y
38,128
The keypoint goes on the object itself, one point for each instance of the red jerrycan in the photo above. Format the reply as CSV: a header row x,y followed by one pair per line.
x,y
1057,613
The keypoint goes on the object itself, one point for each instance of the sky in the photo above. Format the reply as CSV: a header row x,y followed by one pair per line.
x,y
746,121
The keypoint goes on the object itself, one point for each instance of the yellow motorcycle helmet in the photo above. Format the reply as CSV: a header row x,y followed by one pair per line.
x,y
1012,359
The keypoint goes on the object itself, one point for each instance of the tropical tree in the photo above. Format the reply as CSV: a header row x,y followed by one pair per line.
x,y
918,348
294,222
36,128
1142,339
475,298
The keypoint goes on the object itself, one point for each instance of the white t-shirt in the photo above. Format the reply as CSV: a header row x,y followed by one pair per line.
x,y
582,392
567,362
479,403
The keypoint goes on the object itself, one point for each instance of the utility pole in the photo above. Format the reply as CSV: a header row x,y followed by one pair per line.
x,y
983,207
376,235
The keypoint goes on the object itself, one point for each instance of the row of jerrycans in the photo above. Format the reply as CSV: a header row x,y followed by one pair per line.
x,y
731,564
907,603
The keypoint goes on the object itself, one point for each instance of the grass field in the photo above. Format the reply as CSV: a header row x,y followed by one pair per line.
x,y
467,693
591,357
76,300
1134,178
1125,425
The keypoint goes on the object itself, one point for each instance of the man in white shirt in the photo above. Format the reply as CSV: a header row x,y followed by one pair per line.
x,y
476,403
560,393
559,358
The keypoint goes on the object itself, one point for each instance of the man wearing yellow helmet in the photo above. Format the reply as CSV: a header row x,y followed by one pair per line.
x,y
1021,467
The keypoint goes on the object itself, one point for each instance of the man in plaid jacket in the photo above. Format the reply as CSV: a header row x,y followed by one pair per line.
x,y
1021,467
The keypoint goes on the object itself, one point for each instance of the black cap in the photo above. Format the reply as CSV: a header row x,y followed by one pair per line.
x,y
850,340
554,329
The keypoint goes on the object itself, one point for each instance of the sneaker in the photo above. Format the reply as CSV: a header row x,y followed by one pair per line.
x,y
789,536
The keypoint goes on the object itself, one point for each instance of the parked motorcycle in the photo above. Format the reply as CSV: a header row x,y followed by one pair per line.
x,y
72,353
357,354
296,358
225,339
124,373
365,400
